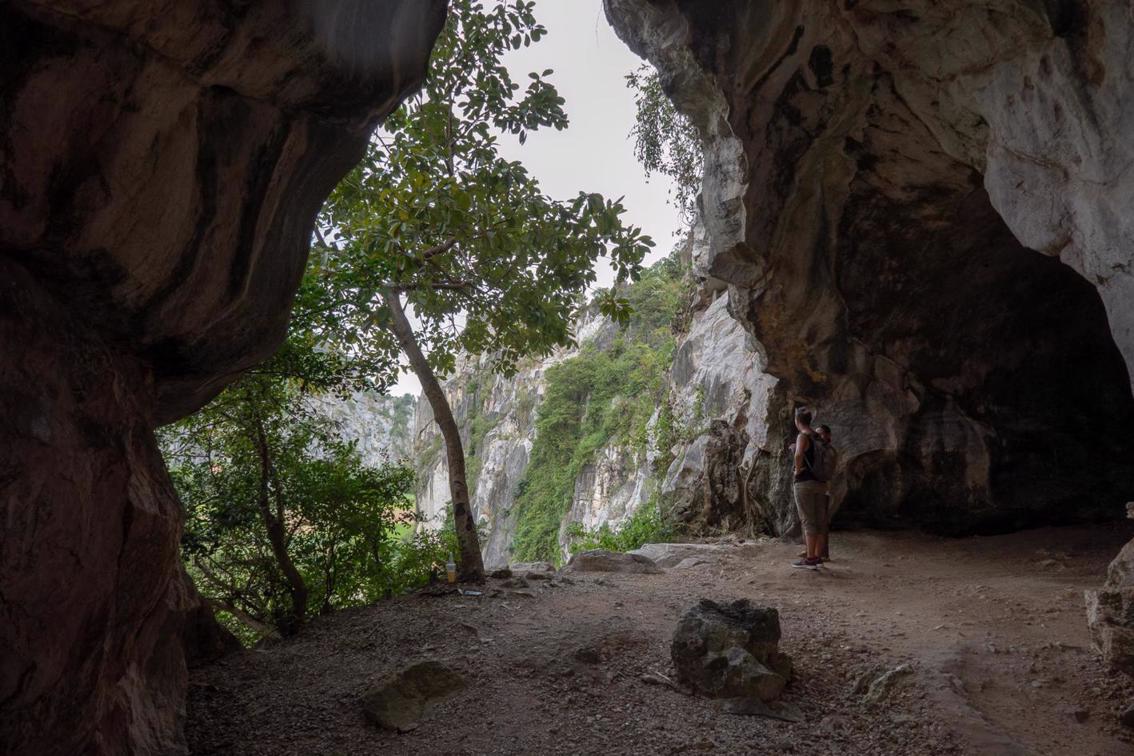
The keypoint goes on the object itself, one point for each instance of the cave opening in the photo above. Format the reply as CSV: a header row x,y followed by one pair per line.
x,y
1022,400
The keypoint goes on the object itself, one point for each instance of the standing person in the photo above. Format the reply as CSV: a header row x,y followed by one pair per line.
x,y
810,493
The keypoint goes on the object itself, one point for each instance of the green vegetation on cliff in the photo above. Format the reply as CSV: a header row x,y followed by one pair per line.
x,y
605,394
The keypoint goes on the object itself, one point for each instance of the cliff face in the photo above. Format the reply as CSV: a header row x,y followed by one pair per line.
x,y
160,167
381,427
497,417
914,210
712,454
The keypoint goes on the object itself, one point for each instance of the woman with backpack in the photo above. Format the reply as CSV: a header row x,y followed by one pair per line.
x,y
812,469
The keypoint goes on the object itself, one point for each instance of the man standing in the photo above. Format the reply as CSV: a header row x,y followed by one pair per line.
x,y
810,493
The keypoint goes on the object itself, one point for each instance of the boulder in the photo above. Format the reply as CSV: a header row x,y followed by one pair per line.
x,y
611,561
1110,613
672,554
522,567
400,700
731,651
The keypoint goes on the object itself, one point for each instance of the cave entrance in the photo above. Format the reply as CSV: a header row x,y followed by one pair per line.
x,y
1024,403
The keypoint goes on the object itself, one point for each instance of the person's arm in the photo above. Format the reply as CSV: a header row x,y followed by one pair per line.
x,y
801,444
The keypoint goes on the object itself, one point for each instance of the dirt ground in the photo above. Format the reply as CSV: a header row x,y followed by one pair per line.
x,y
993,628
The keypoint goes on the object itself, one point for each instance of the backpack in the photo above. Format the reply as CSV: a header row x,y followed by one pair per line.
x,y
824,459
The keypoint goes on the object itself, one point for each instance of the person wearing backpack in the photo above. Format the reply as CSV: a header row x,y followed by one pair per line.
x,y
812,468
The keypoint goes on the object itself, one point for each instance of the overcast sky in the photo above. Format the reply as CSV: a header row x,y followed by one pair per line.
x,y
595,153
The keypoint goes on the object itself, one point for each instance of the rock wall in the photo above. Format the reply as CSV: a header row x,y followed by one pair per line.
x,y
497,417
720,467
915,209
160,168
380,426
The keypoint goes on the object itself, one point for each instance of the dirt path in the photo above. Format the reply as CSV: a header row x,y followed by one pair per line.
x,y
993,627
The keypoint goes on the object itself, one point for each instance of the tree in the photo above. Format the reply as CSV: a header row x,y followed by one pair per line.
x,y
666,141
436,228
282,516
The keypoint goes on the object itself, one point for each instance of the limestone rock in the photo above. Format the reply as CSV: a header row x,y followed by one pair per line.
x,y
672,554
1110,613
162,164
601,560
905,217
877,684
731,651
526,567
399,702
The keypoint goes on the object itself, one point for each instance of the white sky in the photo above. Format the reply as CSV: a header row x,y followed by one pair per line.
x,y
595,153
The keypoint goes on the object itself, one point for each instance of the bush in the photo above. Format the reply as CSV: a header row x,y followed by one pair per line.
x,y
645,525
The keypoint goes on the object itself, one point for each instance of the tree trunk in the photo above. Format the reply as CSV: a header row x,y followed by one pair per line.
x,y
471,567
277,536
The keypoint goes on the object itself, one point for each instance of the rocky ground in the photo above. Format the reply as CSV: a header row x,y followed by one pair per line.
x,y
992,628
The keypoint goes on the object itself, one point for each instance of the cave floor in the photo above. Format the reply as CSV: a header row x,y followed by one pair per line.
x,y
994,629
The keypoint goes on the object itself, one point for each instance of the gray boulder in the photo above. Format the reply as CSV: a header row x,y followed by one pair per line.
x,y
731,651
400,700
611,561
1110,613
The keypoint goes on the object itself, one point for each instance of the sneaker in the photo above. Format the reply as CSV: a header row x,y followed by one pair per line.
x,y
806,564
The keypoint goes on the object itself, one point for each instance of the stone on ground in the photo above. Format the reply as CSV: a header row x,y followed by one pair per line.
x,y
1110,613
672,554
876,685
400,700
731,651
611,561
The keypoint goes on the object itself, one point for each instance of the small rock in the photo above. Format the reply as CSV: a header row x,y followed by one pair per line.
x,y
521,567
877,684
400,700
501,574
611,561
588,655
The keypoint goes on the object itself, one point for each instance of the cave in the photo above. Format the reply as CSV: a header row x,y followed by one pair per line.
x,y
956,307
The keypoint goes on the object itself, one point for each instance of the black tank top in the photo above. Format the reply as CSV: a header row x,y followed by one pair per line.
x,y
808,459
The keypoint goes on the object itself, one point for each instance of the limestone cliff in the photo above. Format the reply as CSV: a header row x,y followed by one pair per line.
x,y
710,452
381,427
161,164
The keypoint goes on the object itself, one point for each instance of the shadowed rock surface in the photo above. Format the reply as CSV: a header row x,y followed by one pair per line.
x,y
916,208
160,168
400,701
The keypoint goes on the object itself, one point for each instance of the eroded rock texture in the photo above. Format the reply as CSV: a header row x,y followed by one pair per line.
x,y
921,213
160,167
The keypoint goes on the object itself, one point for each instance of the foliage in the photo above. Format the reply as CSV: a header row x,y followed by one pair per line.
x,y
258,453
487,262
592,399
645,525
666,141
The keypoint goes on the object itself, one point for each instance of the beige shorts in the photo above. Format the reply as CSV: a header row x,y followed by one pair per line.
x,y
811,503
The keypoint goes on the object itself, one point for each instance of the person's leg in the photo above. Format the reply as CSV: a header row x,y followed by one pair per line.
x,y
805,509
